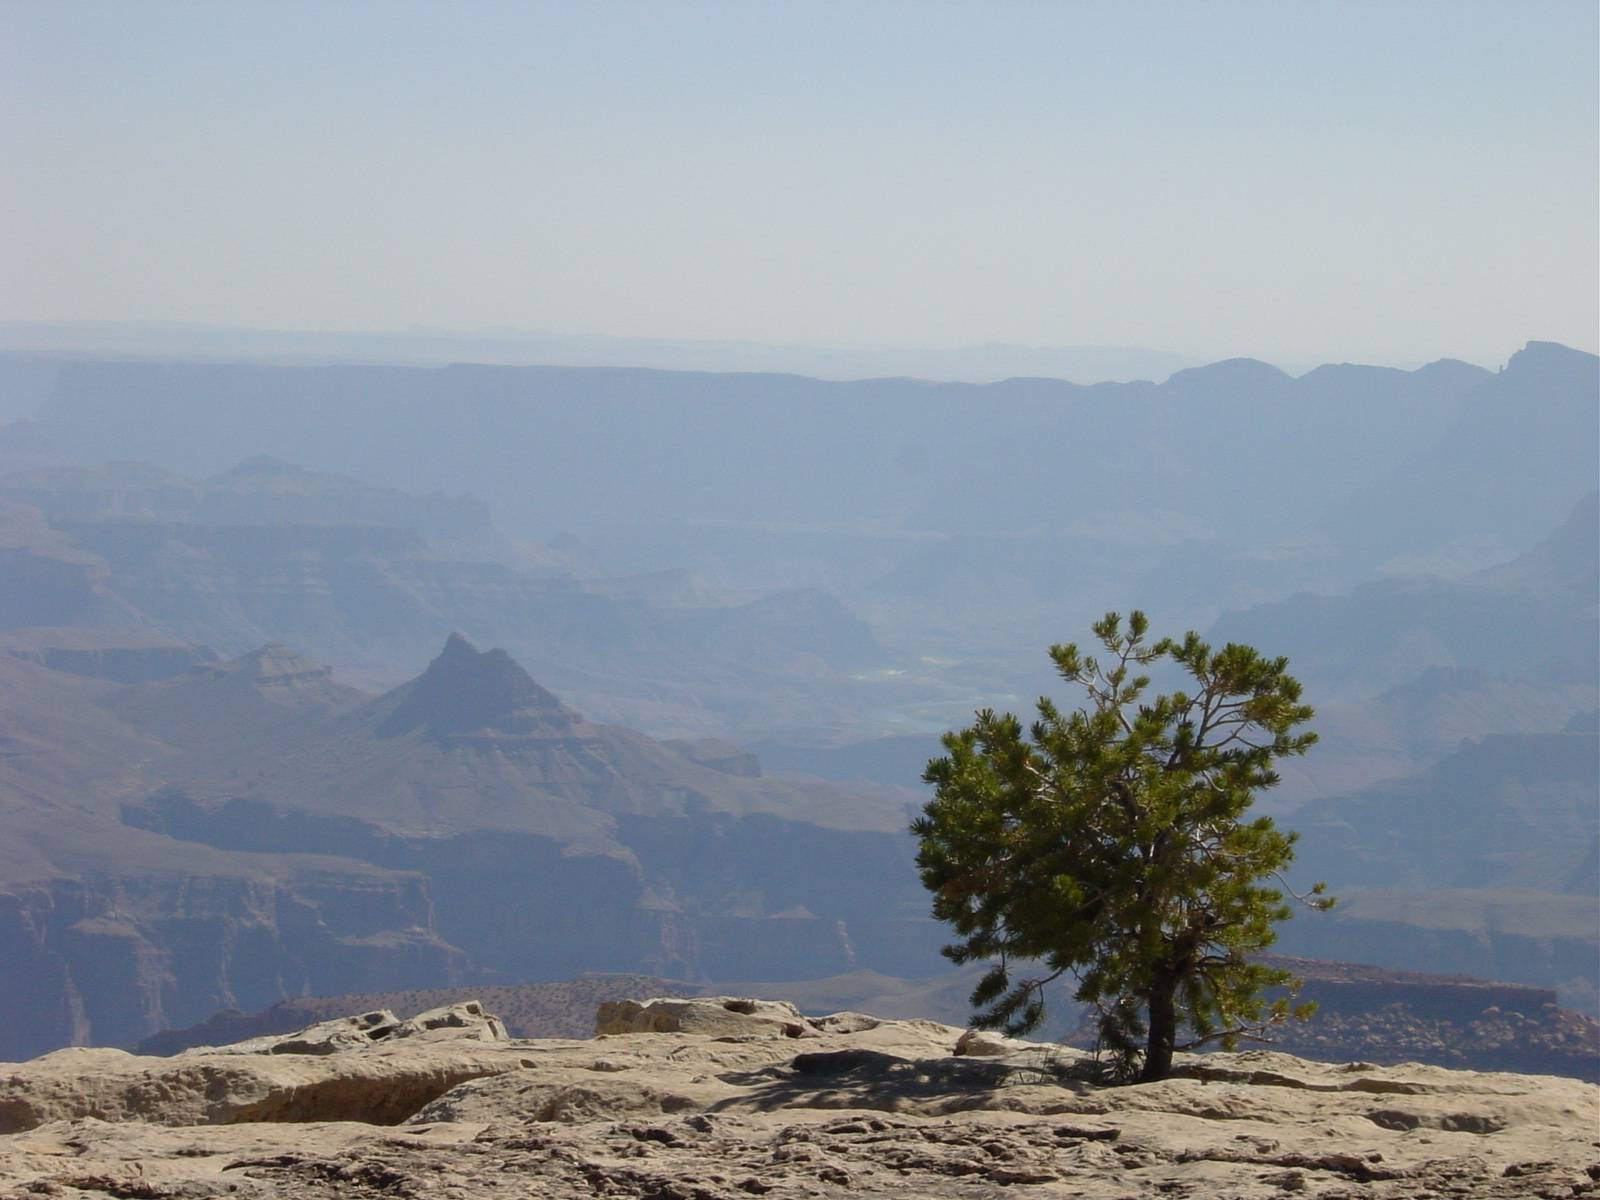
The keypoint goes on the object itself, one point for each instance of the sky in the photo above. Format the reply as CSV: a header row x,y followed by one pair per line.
x,y
1380,182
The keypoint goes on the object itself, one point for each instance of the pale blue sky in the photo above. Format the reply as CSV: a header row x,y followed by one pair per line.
x,y
1374,181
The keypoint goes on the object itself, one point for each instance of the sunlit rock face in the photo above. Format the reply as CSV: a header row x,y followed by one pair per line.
x,y
721,1098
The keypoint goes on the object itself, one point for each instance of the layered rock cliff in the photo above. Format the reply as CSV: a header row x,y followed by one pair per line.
x,y
554,845
251,831
106,960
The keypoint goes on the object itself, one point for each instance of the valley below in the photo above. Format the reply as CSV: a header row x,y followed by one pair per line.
x,y
226,786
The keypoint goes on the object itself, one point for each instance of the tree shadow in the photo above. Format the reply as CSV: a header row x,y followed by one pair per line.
x,y
871,1079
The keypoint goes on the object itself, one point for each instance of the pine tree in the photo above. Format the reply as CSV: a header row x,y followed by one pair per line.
x,y
1113,843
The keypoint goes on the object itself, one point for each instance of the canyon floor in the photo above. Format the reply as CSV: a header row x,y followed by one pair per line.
x,y
719,1098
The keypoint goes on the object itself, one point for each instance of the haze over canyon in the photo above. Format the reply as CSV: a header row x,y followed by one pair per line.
x,y
358,678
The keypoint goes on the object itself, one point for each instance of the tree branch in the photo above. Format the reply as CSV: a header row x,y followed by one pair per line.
x,y
1249,1033
1309,899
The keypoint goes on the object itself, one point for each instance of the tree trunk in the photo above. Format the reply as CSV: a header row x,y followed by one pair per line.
x,y
1163,1031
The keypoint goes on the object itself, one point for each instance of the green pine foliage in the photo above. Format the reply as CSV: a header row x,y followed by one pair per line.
x,y
1113,843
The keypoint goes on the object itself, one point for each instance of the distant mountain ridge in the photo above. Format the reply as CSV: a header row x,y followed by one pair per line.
x,y
785,561
747,442
107,930
961,523
184,341
1521,615
252,830
259,491
1504,811
1521,449
371,578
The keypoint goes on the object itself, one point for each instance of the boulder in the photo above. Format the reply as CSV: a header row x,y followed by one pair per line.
x,y
846,1022
372,1068
325,1037
716,1016
980,1043
455,1022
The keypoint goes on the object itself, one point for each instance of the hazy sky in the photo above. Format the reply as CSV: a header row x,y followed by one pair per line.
x,y
1386,181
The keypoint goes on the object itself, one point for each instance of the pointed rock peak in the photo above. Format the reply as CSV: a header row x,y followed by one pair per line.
x,y
457,646
467,690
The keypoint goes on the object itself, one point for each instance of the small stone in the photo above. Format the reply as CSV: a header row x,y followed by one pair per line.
x,y
1517,1170
978,1043
1088,1133
1022,1174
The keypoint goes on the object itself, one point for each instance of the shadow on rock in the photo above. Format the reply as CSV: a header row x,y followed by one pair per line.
x,y
872,1079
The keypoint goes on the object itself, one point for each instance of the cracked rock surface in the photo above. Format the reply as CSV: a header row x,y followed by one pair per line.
x,y
733,1102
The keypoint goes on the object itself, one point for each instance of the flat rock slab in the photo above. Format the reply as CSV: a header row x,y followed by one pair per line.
x,y
371,1068
879,1111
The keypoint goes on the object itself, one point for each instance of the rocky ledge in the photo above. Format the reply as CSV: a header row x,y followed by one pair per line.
x,y
727,1098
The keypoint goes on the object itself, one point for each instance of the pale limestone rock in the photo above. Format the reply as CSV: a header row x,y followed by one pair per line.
x,y
984,1044
455,1022
368,1068
846,1022
719,1016
885,1111
325,1037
